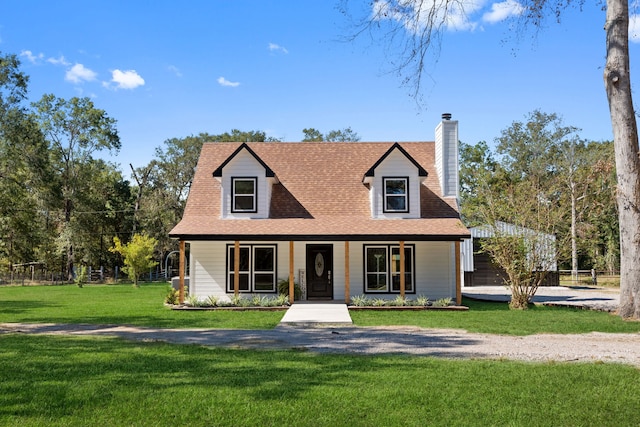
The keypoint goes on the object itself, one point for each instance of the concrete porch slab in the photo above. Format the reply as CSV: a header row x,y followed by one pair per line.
x,y
334,313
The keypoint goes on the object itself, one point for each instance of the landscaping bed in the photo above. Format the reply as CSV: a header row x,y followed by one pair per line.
x,y
206,308
409,308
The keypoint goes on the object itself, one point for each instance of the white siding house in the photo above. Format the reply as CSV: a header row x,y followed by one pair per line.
x,y
341,219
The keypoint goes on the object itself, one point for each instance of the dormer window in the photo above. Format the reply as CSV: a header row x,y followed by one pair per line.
x,y
396,194
244,195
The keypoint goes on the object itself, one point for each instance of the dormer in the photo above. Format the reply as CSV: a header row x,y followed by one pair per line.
x,y
394,185
246,183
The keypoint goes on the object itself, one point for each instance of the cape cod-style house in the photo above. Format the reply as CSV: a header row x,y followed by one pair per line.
x,y
339,219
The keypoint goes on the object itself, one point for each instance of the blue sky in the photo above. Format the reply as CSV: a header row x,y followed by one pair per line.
x,y
167,69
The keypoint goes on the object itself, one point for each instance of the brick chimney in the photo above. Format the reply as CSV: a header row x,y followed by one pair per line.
x,y
447,155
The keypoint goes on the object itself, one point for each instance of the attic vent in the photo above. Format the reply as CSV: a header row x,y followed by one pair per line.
x,y
446,116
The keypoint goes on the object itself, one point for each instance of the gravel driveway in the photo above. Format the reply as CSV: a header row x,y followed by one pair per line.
x,y
455,344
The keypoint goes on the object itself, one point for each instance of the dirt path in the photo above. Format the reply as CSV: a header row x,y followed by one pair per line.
x,y
456,344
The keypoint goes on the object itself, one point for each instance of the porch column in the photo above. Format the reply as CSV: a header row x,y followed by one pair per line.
x,y
236,268
291,282
458,275
181,273
402,279
347,296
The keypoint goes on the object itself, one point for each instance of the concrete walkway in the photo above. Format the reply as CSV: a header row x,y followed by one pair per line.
x,y
594,298
309,312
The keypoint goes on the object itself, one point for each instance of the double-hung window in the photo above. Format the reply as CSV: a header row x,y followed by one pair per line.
x,y
382,268
396,194
377,279
395,269
257,268
244,196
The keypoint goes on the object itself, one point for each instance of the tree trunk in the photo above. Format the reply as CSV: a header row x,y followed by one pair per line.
x,y
70,256
617,83
574,236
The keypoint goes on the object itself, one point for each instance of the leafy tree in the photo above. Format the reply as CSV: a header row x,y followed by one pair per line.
x,y
102,211
414,29
238,136
23,167
520,217
599,228
477,166
141,175
137,254
544,195
74,130
312,135
345,135
544,150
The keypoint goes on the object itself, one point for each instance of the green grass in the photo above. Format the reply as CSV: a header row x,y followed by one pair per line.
x,y
71,381
117,304
496,318
124,304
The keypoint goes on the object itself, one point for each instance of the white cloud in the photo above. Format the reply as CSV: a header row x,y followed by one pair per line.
x,y
58,61
175,70
35,59
634,28
277,48
31,57
129,79
79,73
429,12
224,82
462,15
501,11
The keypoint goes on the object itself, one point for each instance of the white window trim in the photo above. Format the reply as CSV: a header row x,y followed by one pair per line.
x,y
389,274
385,208
412,272
252,272
254,208
386,271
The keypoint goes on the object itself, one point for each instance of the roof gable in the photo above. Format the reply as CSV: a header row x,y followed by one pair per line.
x,y
395,146
268,172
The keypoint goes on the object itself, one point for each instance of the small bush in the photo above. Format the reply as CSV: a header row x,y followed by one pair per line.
x,y
236,300
442,302
256,300
399,301
172,296
283,288
193,301
81,276
282,299
359,301
211,301
378,302
422,301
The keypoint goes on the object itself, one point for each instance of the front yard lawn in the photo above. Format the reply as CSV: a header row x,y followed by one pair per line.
x,y
117,304
126,305
72,381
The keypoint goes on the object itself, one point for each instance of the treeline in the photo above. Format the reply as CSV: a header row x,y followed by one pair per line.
x,y
543,176
61,206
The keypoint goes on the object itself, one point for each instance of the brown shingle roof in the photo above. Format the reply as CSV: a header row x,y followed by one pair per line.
x,y
320,195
